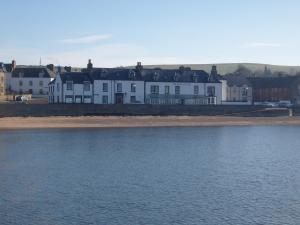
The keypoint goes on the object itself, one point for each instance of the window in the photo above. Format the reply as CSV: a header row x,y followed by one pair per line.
x,y
132,99
105,99
167,90
69,85
30,83
133,87
119,87
105,87
196,90
41,92
86,86
177,90
211,91
57,87
41,83
245,91
20,83
30,91
154,89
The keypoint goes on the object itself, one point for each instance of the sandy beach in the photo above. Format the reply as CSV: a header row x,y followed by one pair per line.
x,y
138,121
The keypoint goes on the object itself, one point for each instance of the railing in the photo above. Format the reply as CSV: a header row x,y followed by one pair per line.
x,y
180,100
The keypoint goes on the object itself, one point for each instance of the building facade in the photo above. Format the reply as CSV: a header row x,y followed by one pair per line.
x,y
238,90
30,80
2,82
275,89
137,86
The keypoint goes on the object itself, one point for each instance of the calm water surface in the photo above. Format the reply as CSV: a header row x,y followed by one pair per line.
x,y
214,176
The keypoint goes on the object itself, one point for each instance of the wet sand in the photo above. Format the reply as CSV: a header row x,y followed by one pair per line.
x,y
139,121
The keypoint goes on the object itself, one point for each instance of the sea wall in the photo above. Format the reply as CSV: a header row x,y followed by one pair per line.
x,y
38,110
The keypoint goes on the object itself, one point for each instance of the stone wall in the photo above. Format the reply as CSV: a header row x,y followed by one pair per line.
x,y
37,110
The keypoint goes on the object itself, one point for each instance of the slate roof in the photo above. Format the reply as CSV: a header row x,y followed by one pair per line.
x,y
32,72
76,77
150,75
274,82
237,80
158,75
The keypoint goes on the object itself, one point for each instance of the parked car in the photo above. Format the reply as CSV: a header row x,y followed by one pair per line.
x,y
285,104
21,98
270,104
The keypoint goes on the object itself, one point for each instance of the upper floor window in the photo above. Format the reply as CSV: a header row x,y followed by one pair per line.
x,y
167,90
133,87
69,85
57,87
86,86
177,90
154,89
41,83
211,91
105,87
20,83
196,90
30,83
119,87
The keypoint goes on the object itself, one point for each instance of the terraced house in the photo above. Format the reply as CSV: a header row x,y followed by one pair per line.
x,y
137,86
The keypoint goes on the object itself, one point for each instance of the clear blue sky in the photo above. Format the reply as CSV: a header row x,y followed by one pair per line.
x,y
121,32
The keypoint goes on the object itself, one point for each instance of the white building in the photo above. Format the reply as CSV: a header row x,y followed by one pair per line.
x,y
137,86
30,80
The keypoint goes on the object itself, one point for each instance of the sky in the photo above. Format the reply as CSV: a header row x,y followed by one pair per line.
x,y
122,32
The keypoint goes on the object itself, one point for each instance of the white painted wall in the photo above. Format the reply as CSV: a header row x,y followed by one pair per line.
x,y
99,93
126,90
25,87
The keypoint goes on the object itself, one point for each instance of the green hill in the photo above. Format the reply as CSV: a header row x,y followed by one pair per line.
x,y
231,67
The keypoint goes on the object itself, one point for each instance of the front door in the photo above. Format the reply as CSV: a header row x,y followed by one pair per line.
x,y
119,98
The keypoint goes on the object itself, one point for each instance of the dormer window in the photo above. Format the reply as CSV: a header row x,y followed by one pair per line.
x,y
41,74
195,78
21,74
156,76
131,75
176,77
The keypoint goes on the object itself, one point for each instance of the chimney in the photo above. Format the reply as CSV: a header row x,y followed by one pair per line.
x,y
139,68
68,69
181,69
51,67
90,65
213,73
13,64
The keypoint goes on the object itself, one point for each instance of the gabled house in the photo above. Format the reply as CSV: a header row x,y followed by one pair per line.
x,y
72,87
137,86
30,80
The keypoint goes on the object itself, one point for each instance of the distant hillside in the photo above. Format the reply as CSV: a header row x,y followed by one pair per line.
x,y
231,67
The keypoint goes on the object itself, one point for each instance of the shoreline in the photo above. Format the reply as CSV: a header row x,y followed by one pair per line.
x,y
62,122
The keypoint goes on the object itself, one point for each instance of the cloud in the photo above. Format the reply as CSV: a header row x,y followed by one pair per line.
x,y
262,45
87,39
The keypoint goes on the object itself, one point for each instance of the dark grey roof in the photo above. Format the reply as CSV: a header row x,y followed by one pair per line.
x,y
32,72
115,74
150,75
274,82
158,75
76,77
236,80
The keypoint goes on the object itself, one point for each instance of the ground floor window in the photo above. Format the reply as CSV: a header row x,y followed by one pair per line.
x,y
105,99
132,99
69,99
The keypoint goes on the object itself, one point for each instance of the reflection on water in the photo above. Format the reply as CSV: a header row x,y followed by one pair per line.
x,y
221,175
